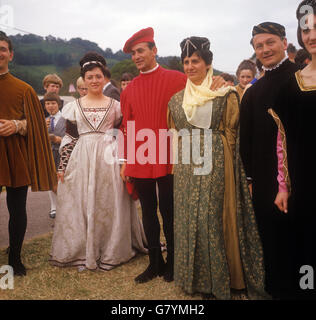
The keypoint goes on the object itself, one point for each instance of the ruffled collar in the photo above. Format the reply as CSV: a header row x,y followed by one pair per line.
x,y
276,66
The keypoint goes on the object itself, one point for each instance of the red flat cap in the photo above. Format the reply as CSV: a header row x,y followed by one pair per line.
x,y
144,35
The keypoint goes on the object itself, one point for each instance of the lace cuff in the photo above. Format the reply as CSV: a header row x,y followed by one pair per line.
x,y
65,155
21,127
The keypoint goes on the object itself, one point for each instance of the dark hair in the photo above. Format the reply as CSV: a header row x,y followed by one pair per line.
x,y
246,65
52,96
4,37
151,45
126,76
227,77
299,16
96,61
198,45
107,73
301,57
291,48
259,65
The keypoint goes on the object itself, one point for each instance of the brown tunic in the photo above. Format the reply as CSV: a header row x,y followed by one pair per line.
x,y
24,160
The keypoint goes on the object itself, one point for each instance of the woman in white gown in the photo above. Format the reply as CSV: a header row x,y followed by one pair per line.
x,y
97,225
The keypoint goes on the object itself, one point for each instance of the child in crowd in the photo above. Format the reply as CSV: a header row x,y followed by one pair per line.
x,y
56,126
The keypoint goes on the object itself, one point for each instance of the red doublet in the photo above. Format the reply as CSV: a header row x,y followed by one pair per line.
x,y
145,101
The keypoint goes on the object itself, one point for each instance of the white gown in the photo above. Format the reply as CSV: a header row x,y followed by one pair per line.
x,y
96,225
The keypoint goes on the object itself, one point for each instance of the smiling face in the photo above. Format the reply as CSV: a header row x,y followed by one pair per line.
x,y
309,35
269,48
144,57
51,107
195,68
5,56
95,81
245,77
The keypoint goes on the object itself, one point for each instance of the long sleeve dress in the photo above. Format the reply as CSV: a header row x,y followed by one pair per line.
x,y
294,113
217,245
97,225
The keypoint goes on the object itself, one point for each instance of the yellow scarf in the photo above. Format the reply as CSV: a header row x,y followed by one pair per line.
x,y
201,96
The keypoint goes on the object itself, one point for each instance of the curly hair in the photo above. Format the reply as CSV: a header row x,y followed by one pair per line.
x,y
246,65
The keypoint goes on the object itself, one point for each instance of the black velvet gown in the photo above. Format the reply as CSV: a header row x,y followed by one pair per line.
x,y
296,108
258,136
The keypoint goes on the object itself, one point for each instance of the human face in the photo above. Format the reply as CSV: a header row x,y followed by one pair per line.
x,y
51,107
143,57
95,81
269,48
124,84
309,35
195,68
245,77
82,89
5,56
52,87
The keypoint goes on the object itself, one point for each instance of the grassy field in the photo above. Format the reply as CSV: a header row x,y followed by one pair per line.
x,y
45,282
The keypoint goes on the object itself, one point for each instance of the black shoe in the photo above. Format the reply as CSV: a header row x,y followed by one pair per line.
x,y
52,214
168,274
19,269
156,267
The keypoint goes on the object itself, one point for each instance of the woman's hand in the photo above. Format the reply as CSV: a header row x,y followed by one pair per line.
x,y
281,201
7,128
60,176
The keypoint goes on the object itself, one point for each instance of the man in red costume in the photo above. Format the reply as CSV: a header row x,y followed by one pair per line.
x,y
145,102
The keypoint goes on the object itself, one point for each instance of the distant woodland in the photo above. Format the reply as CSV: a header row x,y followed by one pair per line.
x,y
36,56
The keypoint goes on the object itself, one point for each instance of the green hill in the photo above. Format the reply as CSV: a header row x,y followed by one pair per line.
x,y
35,57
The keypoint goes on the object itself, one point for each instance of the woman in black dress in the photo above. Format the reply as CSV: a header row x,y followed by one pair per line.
x,y
295,114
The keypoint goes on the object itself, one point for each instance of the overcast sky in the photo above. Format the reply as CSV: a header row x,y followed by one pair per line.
x,y
109,23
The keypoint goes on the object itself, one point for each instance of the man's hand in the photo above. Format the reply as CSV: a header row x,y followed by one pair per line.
x,y
7,128
218,82
281,201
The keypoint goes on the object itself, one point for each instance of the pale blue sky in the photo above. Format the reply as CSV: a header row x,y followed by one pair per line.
x,y
109,23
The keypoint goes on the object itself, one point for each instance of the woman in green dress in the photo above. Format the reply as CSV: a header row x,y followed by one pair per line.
x,y
217,245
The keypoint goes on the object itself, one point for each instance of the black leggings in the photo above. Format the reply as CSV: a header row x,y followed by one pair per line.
x,y
16,203
146,189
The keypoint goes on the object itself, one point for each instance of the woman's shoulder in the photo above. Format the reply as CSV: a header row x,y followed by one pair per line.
x,y
69,110
177,98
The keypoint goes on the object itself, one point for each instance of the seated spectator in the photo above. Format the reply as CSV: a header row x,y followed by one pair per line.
x,y
52,83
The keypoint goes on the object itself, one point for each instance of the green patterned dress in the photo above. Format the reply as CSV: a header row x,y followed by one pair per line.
x,y
200,254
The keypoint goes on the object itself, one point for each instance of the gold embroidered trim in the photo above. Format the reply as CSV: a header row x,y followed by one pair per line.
x,y
284,148
301,84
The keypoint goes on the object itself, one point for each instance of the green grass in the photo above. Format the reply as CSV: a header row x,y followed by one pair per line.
x,y
46,282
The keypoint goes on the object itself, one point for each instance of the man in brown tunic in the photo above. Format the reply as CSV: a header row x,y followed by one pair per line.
x,y
25,154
